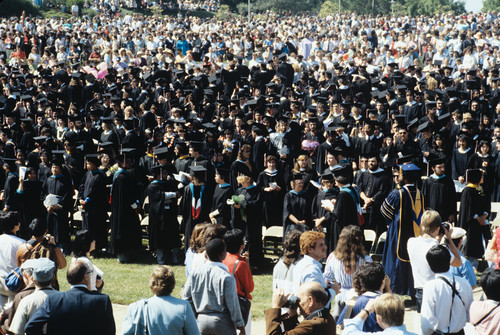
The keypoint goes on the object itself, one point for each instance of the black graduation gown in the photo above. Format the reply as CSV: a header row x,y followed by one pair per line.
x,y
321,152
93,190
345,213
57,222
272,202
459,163
472,203
43,172
210,175
439,195
376,185
31,207
11,199
248,218
163,224
259,149
496,192
476,162
298,205
182,163
188,219
75,163
318,211
219,202
125,225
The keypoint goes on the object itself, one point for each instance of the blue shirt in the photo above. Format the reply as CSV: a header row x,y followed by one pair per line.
x,y
164,315
355,327
465,271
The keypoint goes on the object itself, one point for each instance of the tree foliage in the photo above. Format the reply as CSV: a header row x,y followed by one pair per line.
x,y
491,5
431,7
16,7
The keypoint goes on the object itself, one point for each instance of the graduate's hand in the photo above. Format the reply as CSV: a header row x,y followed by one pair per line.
x,y
50,210
242,330
237,205
2,196
485,164
482,219
277,189
461,180
268,189
5,209
82,202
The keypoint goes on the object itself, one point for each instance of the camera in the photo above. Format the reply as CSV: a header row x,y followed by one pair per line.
x,y
444,225
292,302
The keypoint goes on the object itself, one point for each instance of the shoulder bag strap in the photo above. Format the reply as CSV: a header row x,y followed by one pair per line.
x,y
454,292
487,314
145,314
234,271
27,255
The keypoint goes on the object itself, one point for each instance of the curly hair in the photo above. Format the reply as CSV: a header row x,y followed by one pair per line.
x,y
162,280
368,278
196,241
308,240
350,247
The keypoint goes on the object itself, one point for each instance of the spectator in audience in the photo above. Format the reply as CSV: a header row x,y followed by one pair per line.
x,y
309,268
390,313
162,313
195,247
43,271
283,270
83,245
311,302
211,290
369,282
433,231
62,313
466,270
446,299
238,267
485,315
342,263
9,243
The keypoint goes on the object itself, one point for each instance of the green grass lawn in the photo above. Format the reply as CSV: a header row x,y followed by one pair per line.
x,y
126,283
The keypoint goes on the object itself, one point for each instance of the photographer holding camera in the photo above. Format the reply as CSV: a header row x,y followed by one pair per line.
x,y
311,300
433,231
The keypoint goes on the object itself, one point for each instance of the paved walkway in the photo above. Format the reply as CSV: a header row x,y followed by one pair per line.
x,y
412,319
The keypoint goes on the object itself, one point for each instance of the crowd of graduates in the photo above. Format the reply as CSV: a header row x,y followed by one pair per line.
x,y
286,121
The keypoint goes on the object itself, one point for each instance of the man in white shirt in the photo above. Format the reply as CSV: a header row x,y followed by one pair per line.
x,y
446,299
432,231
9,243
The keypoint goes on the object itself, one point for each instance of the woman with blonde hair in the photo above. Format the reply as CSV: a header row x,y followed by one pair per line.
x,y
343,262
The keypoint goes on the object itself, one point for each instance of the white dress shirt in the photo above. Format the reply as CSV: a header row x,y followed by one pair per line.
x,y
436,302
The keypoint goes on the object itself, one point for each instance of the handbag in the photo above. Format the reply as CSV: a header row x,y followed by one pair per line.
x,y
245,304
14,280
